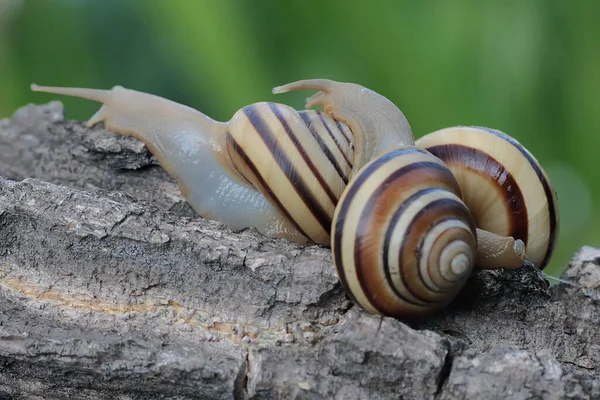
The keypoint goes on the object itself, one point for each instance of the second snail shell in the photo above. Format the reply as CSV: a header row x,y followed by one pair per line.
x,y
284,172
404,243
504,186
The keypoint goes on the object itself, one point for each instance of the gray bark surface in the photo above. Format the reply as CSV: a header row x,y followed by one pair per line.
x,y
112,288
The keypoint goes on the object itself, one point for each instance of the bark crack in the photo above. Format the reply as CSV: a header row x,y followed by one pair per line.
x,y
240,385
445,371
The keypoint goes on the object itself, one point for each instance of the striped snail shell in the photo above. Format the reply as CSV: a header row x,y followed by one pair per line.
x,y
300,161
504,186
404,243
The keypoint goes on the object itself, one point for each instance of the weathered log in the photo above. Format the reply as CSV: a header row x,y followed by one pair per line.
x,y
112,288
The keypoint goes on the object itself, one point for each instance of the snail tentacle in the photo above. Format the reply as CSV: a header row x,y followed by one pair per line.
x,y
154,120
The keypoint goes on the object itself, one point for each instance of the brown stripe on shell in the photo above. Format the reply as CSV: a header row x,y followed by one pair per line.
x,y
548,191
308,122
344,205
266,189
341,129
432,262
369,234
233,145
278,154
334,139
487,166
307,159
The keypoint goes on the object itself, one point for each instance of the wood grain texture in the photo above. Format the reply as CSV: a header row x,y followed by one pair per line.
x,y
110,288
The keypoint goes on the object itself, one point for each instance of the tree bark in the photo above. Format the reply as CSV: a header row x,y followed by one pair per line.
x,y
112,288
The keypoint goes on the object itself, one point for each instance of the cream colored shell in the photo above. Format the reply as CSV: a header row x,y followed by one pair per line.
x,y
504,186
301,162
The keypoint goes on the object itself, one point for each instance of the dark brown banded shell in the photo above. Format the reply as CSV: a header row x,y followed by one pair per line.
x,y
503,185
301,162
398,218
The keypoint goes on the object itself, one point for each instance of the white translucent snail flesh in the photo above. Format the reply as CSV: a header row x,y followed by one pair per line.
x,y
283,172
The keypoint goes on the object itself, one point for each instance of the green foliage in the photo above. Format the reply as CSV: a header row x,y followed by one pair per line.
x,y
529,68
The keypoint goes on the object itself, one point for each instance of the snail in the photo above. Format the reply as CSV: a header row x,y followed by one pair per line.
x,y
413,260
403,240
269,167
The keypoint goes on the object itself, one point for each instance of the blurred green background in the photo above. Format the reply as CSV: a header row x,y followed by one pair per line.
x,y
528,68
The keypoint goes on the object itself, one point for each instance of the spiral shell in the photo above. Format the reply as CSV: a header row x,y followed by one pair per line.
x,y
403,241
300,161
504,186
